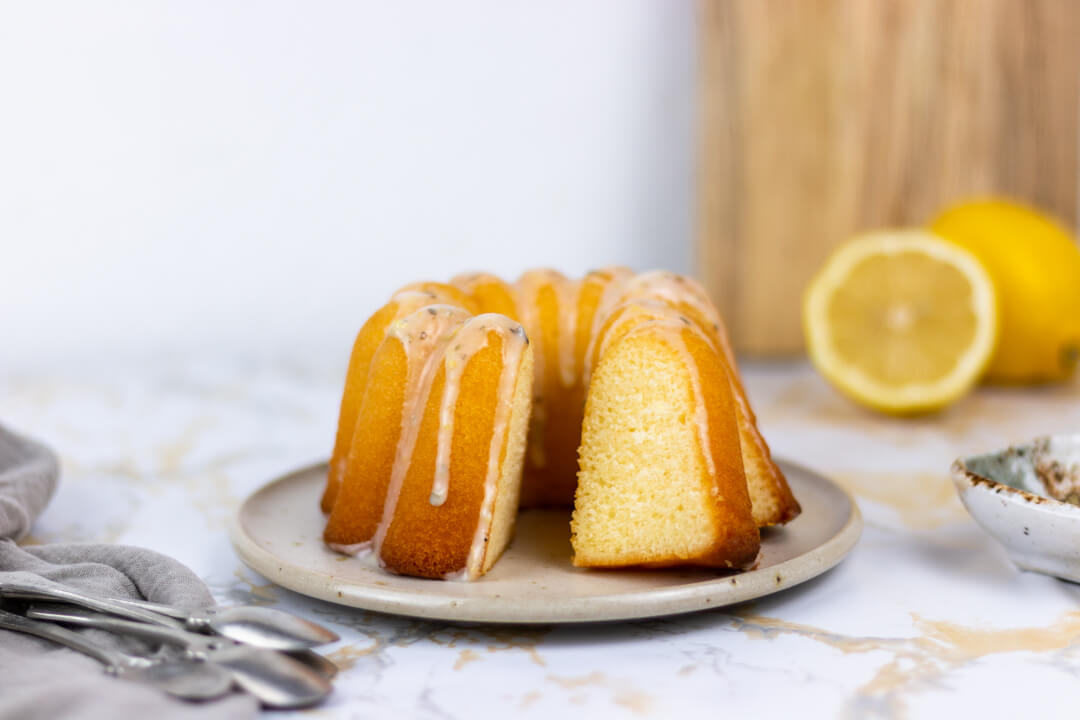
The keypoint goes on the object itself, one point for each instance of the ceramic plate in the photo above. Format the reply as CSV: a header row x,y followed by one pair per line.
x,y
277,532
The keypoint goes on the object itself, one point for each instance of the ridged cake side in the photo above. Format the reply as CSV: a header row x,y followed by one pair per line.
x,y
661,480
774,503
404,302
430,493
431,384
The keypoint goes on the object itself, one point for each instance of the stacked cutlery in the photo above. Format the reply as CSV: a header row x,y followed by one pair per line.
x,y
263,651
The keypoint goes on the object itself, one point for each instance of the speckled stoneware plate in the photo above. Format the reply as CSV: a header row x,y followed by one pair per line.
x,y
1027,497
277,532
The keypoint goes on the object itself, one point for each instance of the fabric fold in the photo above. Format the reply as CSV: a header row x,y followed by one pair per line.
x,y
39,679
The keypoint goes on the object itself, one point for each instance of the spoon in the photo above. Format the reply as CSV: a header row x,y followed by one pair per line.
x,y
262,627
29,591
274,678
183,679
319,663
10,589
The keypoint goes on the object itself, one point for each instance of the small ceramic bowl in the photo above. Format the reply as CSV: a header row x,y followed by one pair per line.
x,y
1028,498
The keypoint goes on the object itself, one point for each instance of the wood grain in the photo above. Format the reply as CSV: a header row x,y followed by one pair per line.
x,y
822,118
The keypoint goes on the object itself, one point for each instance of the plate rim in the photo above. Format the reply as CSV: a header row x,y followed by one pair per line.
x,y
691,597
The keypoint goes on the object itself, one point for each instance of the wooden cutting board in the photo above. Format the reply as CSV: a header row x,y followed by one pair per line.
x,y
822,118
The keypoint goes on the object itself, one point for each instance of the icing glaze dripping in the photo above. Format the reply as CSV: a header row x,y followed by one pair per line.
x,y
678,289
610,297
448,337
424,336
527,291
417,299
351,548
668,323
404,301
513,348
626,317
466,280
470,340
701,413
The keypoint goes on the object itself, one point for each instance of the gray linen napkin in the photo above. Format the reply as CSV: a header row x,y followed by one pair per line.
x,y
39,679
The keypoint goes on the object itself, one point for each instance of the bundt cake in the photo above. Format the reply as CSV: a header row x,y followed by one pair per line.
x,y
616,394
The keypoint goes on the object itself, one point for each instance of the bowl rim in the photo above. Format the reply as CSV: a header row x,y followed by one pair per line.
x,y
965,477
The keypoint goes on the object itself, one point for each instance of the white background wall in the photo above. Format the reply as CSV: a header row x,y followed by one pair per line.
x,y
188,173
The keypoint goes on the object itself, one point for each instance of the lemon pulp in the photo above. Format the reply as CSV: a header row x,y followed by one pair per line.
x,y
901,321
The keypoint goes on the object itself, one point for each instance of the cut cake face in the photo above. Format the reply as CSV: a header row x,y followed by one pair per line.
x,y
661,479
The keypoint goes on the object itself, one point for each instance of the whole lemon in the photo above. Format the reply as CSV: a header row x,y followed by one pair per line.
x,y
1035,266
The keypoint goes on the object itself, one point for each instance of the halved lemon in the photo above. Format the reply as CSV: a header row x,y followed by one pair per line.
x,y
902,321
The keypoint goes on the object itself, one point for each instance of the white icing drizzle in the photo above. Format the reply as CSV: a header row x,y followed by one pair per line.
x,y
527,290
513,348
470,340
353,549
455,367
468,280
406,301
636,312
413,298
701,413
610,297
448,337
679,288
423,335
675,289
662,316
468,283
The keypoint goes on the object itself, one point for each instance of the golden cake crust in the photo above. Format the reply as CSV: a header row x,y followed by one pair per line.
x,y
687,502
392,455
428,540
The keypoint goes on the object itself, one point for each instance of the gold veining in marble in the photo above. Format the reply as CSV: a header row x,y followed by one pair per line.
x,y
634,700
172,455
494,639
346,656
570,683
622,692
209,454
924,660
922,501
961,644
528,699
465,657
264,594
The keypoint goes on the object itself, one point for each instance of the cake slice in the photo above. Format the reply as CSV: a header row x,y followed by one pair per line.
x,y
661,480
772,499
433,474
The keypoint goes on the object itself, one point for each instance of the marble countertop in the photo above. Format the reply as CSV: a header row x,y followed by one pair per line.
x,y
926,616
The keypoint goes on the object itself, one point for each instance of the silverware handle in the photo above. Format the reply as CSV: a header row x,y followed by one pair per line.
x,y
173,612
25,591
62,636
79,616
